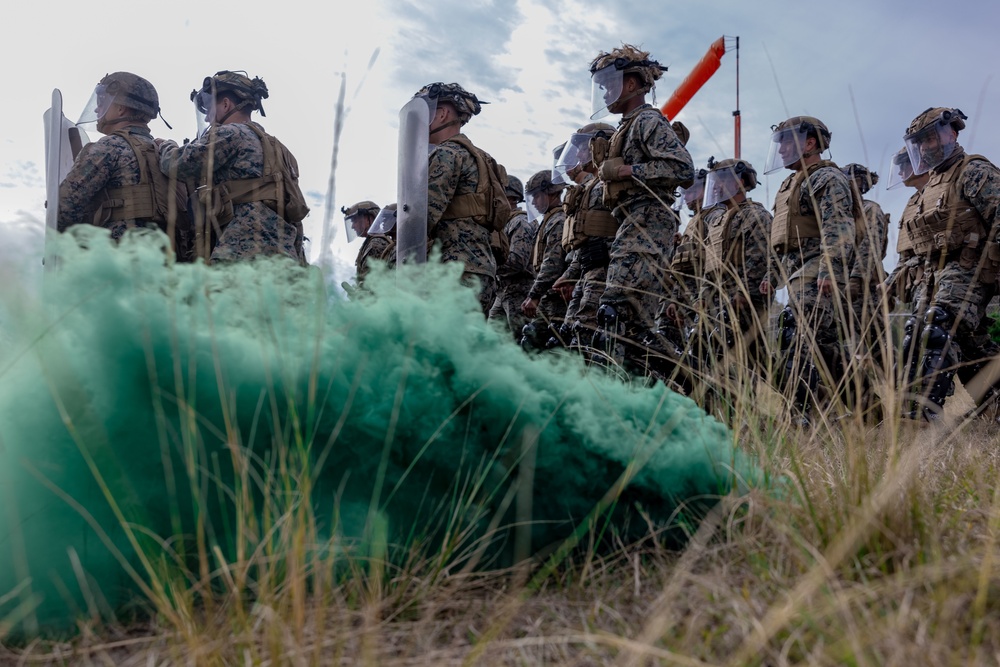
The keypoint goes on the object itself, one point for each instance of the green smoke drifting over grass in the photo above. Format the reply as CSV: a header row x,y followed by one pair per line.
x,y
147,409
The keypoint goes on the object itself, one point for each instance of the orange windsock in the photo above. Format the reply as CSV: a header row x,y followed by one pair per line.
x,y
701,73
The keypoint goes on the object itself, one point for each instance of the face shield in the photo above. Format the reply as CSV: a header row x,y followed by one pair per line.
x,y
97,107
204,108
930,147
385,222
537,204
721,185
575,153
606,88
901,171
357,224
694,194
787,146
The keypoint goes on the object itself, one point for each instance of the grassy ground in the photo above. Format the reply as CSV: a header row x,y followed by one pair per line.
x,y
878,546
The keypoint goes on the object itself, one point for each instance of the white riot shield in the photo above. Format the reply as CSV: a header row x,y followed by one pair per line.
x,y
411,183
63,142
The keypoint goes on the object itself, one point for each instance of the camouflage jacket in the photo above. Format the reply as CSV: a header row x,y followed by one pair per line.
x,y
235,152
109,162
452,171
980,186
659,160
373,249
870,252
552,260
745,250
826,194
521,234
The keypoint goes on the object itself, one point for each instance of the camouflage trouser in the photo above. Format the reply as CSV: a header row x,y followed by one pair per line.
x,y
683,294
640,260
257,231
587,294
506,310
487,286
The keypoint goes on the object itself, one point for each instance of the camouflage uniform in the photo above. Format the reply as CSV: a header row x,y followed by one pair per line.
x,y
687,268
549,261
588,264
732,285
515,277
954,281
641,251
910,266
109,162
376,248
453,171
826,197
236,153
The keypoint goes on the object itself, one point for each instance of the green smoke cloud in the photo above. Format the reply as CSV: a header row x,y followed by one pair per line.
x,y
137,398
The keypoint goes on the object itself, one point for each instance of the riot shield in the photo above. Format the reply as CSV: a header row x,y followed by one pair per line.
x,y
411,183
63,142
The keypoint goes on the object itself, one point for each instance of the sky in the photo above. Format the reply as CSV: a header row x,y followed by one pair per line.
x,y
864,68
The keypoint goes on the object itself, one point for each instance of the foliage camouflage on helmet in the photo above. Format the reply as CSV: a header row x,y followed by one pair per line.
x,y
941,115
466,104
542,182
132,91
864,177
514,189
630,60
812,126
364,207
742,168
249,92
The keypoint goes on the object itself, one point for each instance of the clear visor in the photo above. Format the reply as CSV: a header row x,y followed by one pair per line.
x,y
930,147
606,88
100,101
721,185
693,194
901,170
432,105
787,147
537,205
204,109
384,223
356,225
575,153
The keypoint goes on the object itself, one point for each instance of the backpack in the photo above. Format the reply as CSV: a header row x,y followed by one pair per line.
x,y
488,205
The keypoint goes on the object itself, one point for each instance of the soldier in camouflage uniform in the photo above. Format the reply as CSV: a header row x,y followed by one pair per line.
x,y
452,178
955,230
813,235
588,231
910,266
516,275
358,218
248,192
733,309
116,181
546,307
867,271
645,164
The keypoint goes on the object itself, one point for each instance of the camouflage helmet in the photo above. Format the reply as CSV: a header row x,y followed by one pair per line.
x,y
740,167
861,175
132,91
810,126
249,92
629,59
466,104
542,182
596,129
514,189
361,208
940,115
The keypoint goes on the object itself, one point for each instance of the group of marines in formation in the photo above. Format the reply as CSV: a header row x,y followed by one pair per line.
x,y
604,271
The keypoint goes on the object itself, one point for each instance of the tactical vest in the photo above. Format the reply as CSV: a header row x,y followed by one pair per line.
x,y
152,199
617,191
871,218
944,219
540,243
716,254
488,205
277,188
790,224
584,221
689,256
903,243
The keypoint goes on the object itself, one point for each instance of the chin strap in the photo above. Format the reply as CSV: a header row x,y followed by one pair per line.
x,y
435,130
